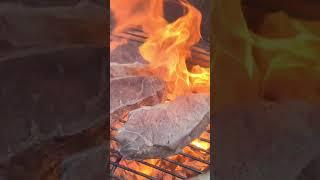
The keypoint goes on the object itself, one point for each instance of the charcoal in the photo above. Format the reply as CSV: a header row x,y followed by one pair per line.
x,y
128,93
164,129
118,70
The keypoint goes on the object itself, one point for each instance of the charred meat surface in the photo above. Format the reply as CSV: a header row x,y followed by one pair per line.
x,y
128,93
164,129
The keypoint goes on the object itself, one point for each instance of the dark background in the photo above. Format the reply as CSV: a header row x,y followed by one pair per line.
x,y
53,89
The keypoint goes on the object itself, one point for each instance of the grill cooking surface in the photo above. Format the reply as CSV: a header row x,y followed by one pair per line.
x,y
115,159
200,52
200,56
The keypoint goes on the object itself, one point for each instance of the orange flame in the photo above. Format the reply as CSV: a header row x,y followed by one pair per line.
x,y
147,14
201,144
169,44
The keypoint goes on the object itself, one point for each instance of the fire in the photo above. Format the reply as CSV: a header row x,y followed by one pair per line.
x,y
138,167
147,170
168,45
147,14
201,144
167,49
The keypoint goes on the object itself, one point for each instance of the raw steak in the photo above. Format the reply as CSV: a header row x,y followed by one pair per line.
x,y
128,93
118,70
127,53
164,129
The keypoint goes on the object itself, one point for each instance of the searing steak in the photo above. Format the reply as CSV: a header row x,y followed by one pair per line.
x,y
127,53
131,92
164,129
121,70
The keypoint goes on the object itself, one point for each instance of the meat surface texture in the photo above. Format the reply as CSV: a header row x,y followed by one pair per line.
x,y
127,53
164,129
118,70
131,92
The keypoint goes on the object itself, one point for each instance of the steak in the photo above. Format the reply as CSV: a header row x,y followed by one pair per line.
x,y
127,53
121,70
164,129
131,92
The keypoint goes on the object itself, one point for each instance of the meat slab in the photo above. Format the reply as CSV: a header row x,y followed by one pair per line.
x,y
131,92
164,129
121,70
127,53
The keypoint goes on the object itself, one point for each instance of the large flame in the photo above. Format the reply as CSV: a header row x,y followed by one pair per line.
x,y
168,45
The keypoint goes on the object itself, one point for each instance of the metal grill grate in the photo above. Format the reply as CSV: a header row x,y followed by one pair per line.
x,y
200,52
115,163
200,56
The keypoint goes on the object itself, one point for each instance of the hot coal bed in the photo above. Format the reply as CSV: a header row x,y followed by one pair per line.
x,y
193,160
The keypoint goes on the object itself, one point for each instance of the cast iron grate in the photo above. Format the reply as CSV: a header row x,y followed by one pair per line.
x,y
200,56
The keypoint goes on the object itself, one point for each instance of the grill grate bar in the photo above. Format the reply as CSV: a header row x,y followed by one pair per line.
x,y
201,58
141,39
161,169
183,165
139,32
199,149
194,158
204,140
173,162
132,170
195,48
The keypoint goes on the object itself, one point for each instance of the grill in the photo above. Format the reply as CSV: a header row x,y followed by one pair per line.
x,y
200,56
